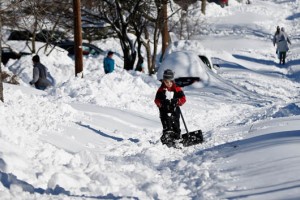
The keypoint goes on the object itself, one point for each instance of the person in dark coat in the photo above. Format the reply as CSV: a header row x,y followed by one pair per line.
x,y
170,96
39,79
109,63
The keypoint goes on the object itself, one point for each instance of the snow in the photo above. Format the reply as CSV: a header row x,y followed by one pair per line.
x,y
97,137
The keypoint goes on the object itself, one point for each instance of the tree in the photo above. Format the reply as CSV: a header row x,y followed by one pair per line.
x,y
118,15
203,6
184,4
133,22
139,25
153,21
146,21
35,15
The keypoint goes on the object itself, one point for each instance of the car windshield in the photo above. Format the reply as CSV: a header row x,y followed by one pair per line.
x,y
94,52
89,51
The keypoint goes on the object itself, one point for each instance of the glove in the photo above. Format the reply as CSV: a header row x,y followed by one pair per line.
x,y
165,102
165,105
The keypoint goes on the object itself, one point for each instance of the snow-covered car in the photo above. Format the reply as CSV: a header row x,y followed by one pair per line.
x,y
8,53
208,62
49,36
20,35
188,66
89,50
222,3
46,36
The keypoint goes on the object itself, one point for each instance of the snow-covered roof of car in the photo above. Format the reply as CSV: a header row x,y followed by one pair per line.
x,y
184,64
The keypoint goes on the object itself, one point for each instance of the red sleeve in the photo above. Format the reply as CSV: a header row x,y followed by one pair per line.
x,y
158,96
181,101
157,102
181,96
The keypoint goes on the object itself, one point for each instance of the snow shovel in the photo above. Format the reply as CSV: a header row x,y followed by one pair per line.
x,y
190,138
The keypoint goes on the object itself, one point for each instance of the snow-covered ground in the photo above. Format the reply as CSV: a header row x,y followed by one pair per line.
x,y
98,137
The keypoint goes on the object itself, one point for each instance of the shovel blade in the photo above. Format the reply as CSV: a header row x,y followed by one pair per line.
x,y
192,138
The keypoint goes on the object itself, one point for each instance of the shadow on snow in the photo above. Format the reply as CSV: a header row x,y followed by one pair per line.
x,y
254,143
118,139
8,179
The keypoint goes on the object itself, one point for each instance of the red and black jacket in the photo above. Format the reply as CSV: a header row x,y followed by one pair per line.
x,y
161,94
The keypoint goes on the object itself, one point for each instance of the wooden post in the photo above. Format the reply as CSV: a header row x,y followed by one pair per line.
x,y
165,29
1,83
77,38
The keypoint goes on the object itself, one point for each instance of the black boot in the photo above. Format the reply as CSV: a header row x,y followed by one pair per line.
x,y
167,138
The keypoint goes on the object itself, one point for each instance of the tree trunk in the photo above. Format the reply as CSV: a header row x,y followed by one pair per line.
x,y
150,67
182,21
140,57
155,41
203,6
147,46
129,56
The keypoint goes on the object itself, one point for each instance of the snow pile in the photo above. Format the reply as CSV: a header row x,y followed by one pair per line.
x,y
98,136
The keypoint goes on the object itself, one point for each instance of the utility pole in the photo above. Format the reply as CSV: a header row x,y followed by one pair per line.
x,y
165,29
77,39
1,83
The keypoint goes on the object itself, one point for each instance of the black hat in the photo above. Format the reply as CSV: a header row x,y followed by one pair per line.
x,y
110,53
168,74
36,58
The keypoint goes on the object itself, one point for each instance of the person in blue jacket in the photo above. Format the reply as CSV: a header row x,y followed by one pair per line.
x,y
109,63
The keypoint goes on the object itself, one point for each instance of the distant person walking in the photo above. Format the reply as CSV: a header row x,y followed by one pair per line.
x,y
276,39
282,45
109,63
40,72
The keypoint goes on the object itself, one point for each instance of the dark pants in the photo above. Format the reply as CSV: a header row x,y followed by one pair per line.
x,y
170,120
282,56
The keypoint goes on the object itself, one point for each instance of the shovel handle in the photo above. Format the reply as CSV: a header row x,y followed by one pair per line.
x,y
183,121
